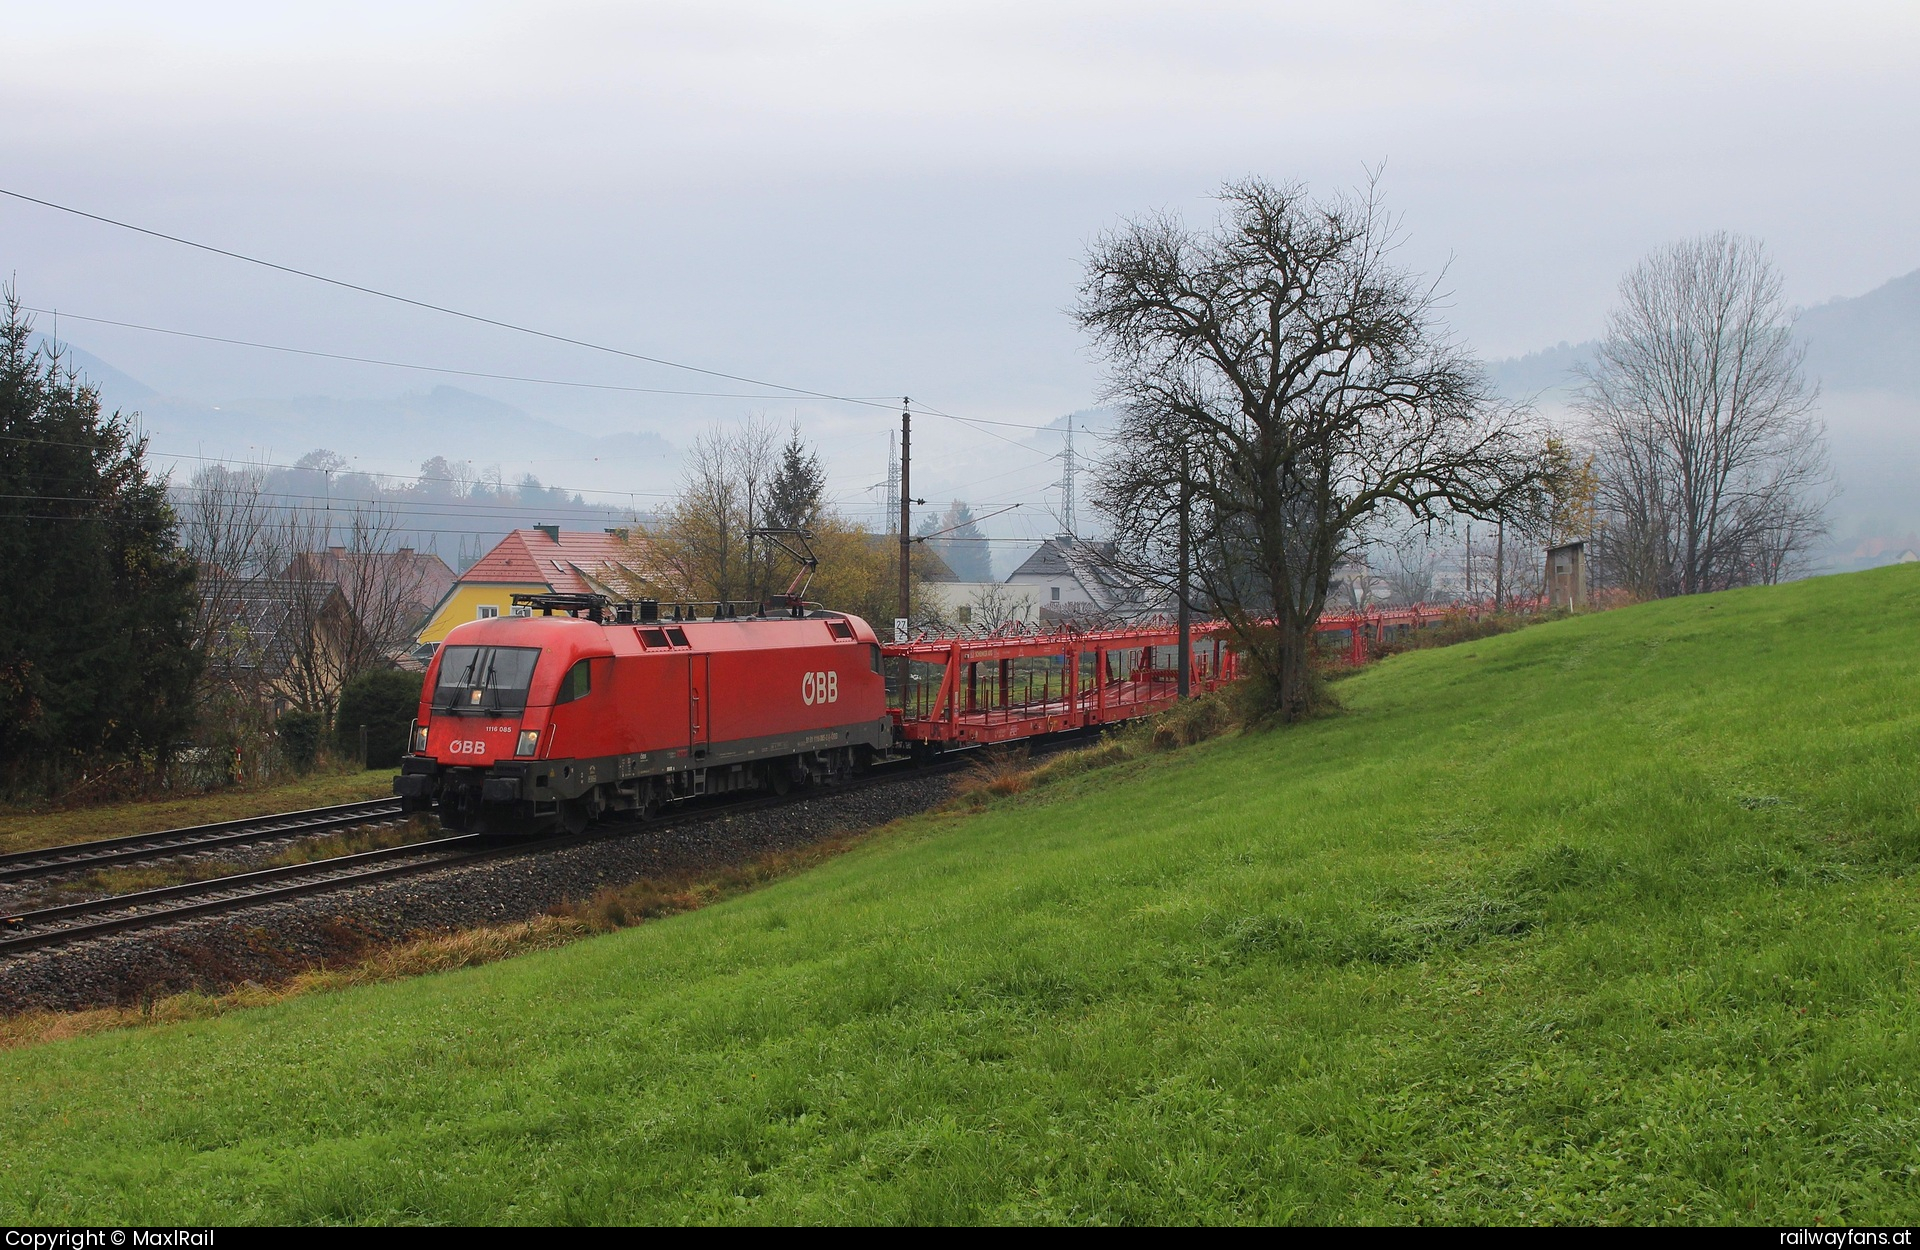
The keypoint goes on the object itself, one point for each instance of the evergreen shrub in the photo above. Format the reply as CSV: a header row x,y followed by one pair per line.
x,y
300,734
385,700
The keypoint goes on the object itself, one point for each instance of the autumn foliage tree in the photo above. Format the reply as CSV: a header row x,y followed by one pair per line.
x,y
735,482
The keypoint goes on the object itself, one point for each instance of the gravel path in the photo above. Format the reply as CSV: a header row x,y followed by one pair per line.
x,y
274,941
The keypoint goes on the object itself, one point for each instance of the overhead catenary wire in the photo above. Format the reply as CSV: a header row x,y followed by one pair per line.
x,y
980,424
444,531
429,306
244,464
453,507
400,364
498,323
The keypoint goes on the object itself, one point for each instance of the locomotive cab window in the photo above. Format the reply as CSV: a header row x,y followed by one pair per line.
x,y
576,684
486,681
873,654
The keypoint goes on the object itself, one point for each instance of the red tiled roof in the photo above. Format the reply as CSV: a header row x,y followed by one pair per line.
x,y
532,556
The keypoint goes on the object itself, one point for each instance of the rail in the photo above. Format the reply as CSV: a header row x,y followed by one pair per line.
x,y
134,847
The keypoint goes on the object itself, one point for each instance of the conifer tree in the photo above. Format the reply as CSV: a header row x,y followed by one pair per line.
x,y
96,656
965,549
798,488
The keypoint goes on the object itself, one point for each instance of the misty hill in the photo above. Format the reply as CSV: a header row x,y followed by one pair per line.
x,y
395,435
1546,376
479,487
117,390
1865,342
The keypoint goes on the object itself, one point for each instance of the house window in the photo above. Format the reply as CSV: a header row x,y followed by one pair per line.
x,y
1056,594
488,611
966,614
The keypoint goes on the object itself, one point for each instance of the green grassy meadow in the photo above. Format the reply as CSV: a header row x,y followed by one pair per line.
x,y
1611,919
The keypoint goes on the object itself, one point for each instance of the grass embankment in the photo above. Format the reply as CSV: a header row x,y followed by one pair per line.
x,y
26,831
1610,919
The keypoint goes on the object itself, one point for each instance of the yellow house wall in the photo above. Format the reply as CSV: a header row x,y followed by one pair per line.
x,y
463,604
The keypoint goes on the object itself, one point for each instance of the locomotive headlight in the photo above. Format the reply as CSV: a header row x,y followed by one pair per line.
x,y
529,739
419,738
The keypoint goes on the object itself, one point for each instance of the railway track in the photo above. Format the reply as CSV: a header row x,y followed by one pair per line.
x,y
69,922
135,848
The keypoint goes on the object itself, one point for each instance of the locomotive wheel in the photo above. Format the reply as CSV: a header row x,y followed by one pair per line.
x,y
575,816
782,780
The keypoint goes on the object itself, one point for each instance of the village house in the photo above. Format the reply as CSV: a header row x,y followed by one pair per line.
x,y
283,642
1071,579
543,559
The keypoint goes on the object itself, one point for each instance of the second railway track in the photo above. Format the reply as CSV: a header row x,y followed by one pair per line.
x,y
68,922
138,847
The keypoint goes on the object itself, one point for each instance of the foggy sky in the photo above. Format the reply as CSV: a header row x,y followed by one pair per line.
x,y
885,199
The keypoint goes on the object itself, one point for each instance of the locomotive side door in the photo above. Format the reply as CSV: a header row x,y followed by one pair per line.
x,y
699,706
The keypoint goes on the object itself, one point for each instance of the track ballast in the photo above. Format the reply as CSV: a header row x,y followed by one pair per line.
x,y
72,922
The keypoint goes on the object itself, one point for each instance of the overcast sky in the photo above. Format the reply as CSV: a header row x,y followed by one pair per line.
x,y
877,199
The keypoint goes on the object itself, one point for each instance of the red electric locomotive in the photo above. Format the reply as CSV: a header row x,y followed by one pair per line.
x,y
584,708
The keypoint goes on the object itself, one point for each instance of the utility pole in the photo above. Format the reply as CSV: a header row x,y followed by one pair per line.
x,y
1186,580
1500,567
904,616
1470,598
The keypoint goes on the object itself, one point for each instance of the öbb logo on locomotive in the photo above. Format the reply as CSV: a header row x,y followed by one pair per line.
x,y
820,687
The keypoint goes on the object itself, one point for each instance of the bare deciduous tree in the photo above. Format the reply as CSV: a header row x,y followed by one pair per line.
x,y
1303,382
1411,574
225,520
702,545
1712,466
994,605
282,614
384,584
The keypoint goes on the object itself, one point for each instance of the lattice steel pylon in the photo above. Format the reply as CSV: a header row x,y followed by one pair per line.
x,y
1066,482
893,484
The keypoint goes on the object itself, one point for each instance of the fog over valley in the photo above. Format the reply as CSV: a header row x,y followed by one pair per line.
x,y
867,202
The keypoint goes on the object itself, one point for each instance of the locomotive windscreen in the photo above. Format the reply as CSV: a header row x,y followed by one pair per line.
x,y
489,680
